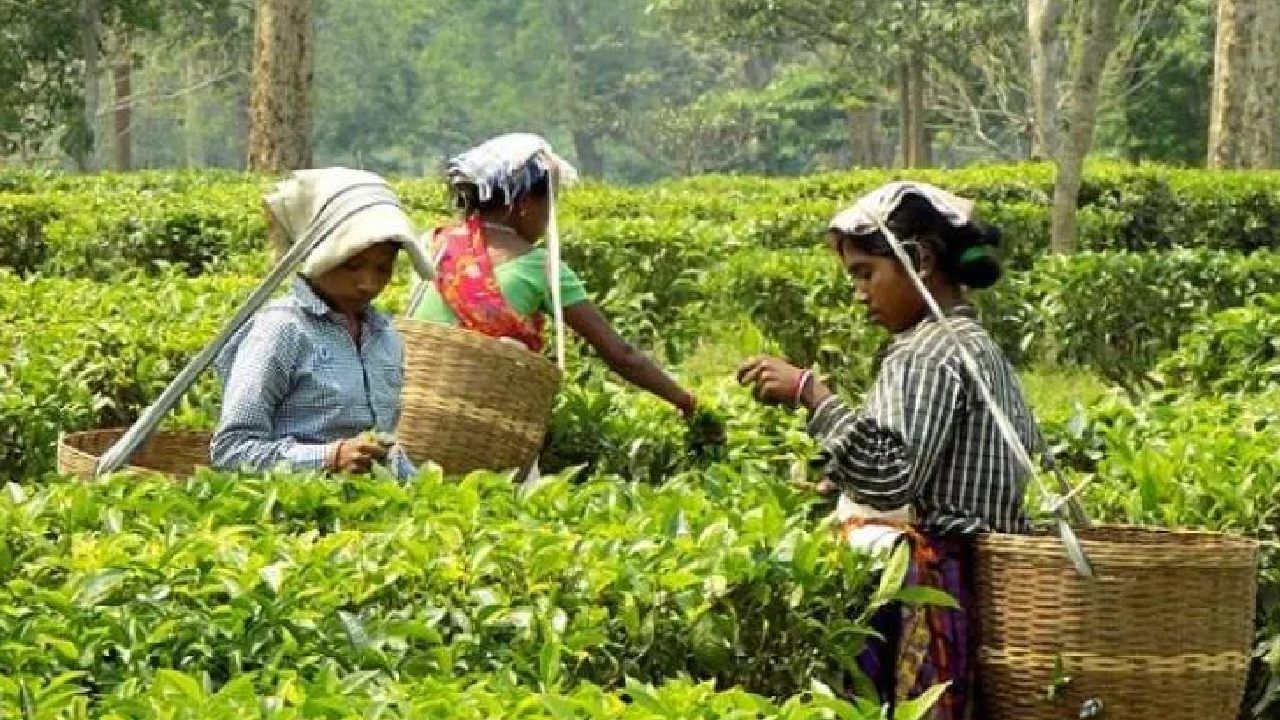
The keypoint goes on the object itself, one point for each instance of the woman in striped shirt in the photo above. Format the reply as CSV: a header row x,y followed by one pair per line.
x,y
922,445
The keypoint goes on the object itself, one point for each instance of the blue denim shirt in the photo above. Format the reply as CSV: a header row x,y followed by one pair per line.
x,y
294,383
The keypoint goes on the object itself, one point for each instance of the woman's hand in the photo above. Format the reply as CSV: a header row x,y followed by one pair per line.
x,y
687,404
778,382
774,381
357,454
626,360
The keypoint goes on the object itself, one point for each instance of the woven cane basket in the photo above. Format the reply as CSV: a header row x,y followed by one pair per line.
x,y
471,402
175,453
1163,632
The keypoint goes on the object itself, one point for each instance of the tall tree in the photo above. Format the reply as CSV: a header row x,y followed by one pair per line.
x,y
40,80
280,102
122,103
1263,121
90,24
1047,52
1094,38
914,46
1230,84
1156,99
585,137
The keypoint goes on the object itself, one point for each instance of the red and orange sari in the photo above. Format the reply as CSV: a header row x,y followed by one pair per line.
x,y
466,281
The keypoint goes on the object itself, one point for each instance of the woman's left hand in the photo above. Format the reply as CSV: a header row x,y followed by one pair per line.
x,y
775,380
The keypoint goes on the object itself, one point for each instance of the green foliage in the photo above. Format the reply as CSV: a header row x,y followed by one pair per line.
x,y
1117,312
798,123
97,226
716,575
42,83
178,695
1092,309
1160,111
663,557
85,355
1231,351
22,226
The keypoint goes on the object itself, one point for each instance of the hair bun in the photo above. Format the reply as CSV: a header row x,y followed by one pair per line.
x,y
989,235
978,267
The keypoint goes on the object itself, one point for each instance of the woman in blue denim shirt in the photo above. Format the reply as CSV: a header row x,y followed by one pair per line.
x,y
314,371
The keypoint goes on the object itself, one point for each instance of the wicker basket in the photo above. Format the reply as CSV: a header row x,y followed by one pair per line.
x,y
174,453
1164,631
471,402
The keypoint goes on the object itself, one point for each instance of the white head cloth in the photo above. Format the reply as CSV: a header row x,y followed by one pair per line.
x,y
864,216
356,209
507,167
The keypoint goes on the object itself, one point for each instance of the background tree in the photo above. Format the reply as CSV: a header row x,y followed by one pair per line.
x,y
1093,39
631,92
280,103
1263,108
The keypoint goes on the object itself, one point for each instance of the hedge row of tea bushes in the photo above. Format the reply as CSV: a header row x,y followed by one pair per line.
x,y
717,576
91,354
98,226
176,695
1116,313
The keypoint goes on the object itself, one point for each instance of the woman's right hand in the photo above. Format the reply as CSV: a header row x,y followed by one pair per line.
x,y
356,455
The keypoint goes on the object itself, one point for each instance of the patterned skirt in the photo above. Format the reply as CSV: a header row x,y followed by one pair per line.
x,y
924,646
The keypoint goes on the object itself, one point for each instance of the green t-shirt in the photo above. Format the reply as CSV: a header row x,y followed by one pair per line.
x,y
523,281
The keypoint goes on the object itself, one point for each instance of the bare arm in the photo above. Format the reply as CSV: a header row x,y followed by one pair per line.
x,y
623,358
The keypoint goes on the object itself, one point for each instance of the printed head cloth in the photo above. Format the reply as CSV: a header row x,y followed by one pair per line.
x,y
865,216
506,167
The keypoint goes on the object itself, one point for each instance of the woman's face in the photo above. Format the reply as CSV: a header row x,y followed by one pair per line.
x,y
357,282
530,217
883,286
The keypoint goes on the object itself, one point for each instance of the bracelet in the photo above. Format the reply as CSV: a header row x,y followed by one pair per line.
x,y
805,377
332,462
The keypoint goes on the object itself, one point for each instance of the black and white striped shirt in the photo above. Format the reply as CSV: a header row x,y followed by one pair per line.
x,y
923,436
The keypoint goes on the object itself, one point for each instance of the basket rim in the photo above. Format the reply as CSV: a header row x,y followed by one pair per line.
x,y
1045,535
74,439
509,351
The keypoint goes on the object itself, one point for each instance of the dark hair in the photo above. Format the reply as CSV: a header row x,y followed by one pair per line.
x,y
965,254
466,196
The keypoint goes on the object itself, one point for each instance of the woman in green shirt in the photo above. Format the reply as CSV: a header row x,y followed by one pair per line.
x,y
492,279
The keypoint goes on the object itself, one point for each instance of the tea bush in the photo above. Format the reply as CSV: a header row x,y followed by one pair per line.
x,y
96,226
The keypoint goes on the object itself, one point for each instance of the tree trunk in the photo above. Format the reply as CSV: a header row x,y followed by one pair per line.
x,y
1093,41
91,48
1230,84
911,131
1264,86
920,135
590,161
1048,54
192,123
864,136
905,137
122,106
759,70
280,103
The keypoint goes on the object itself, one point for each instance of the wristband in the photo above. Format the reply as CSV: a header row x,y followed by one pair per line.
x,y
334,459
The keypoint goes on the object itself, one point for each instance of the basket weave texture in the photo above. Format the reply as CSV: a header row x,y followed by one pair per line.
x,y
471,402
1164,632
177,453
